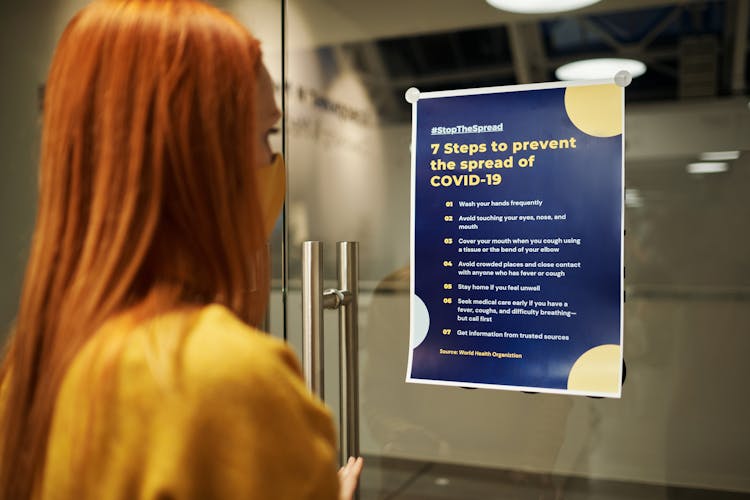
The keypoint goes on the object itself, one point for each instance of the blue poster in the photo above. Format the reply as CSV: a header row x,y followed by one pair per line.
x,y
517,238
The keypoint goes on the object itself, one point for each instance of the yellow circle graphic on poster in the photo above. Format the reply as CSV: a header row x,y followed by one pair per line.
x,y
597,370
595,109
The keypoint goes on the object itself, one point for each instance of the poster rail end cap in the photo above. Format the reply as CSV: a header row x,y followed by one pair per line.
x,y
622,78
412,95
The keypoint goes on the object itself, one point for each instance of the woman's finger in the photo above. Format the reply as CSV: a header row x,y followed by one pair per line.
x,y
349,477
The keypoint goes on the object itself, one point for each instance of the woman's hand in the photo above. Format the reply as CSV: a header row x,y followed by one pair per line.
x,y
349,477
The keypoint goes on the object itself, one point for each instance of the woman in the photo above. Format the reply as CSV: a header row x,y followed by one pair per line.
x,y
133,371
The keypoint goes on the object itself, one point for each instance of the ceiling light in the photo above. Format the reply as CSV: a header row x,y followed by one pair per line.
x,y
595,69
720,155
540,6
707,167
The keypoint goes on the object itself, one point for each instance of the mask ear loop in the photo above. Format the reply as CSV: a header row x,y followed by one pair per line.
x,y
270,185
256,296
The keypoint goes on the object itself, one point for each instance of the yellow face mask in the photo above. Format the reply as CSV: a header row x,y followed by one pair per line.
x,y
271,186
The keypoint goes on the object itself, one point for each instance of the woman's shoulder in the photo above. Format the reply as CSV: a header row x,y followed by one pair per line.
x,y
212,340
187,350
211,346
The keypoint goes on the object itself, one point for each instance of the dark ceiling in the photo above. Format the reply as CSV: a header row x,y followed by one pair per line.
x,y
692,49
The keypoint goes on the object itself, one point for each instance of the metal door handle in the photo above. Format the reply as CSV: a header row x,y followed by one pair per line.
x,y
348,271
312,316
345,299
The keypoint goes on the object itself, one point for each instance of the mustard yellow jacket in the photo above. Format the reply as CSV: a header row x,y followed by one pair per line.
x,y
191,405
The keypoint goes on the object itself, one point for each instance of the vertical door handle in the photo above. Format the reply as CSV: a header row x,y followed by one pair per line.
x,y
346,300
312,316
348,270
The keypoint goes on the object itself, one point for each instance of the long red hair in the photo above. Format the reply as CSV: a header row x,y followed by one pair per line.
x,y
147,196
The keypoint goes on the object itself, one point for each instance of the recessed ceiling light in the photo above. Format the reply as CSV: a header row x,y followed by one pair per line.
x,y
594,69
707,167
720,155
540,6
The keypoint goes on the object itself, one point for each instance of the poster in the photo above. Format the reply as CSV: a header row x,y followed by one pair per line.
x,y
517,238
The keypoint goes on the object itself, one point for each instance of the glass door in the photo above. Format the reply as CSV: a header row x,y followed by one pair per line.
x,y
680,429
